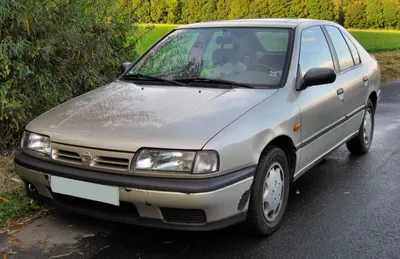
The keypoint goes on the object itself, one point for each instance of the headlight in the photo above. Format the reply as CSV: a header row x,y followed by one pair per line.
x,y
200,162
35,142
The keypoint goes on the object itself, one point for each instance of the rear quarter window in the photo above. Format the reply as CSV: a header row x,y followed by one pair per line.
x,y
353,50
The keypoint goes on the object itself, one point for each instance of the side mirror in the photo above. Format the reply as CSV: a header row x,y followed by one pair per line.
x,y
316,76
125,66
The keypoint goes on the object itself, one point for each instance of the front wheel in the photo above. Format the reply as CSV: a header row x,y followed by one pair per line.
x,y
362,142
270,192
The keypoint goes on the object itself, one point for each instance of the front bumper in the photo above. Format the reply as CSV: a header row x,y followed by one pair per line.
x,y
188,204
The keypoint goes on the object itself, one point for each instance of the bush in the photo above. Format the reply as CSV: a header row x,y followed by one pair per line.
x,y
355,16
51,51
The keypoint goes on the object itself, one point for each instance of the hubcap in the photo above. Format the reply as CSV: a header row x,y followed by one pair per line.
x,y
367,126
273,192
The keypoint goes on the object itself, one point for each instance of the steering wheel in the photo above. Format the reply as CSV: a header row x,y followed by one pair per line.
x,y
256,55
271,69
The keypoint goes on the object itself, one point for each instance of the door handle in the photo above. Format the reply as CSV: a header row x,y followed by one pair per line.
x,y
365,80
340,93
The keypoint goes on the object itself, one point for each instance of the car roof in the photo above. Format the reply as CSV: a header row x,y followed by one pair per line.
x,y
278,22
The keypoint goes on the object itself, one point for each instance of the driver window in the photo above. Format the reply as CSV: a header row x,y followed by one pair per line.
x,y
314,50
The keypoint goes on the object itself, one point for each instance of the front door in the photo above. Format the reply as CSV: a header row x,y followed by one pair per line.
x,y
321,107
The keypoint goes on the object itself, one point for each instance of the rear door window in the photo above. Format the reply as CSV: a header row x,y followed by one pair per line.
x,y
342,50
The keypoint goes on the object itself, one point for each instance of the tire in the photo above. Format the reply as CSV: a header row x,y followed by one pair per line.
x,y
272,169
362,142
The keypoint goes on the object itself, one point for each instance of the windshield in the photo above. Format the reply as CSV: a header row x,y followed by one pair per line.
x,y
252,56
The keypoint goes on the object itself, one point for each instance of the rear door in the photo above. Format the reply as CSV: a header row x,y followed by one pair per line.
x,y
352,78
322,116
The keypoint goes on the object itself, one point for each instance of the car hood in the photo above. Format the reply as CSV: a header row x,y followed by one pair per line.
x,y
124,116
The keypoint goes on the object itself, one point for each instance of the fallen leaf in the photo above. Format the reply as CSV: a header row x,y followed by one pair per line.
x,y
59,256
14,241
90,235
104,247
43,240
184,250
15,231
3,199
297,192
167,242
16,180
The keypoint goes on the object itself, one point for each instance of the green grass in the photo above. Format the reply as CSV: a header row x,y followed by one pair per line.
x,y
152,36
372,40
14,204
378,40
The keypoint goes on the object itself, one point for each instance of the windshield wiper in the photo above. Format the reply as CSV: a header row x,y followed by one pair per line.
x,y
214,81
153,78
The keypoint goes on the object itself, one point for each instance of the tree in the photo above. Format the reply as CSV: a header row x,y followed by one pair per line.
x,y
174,9
142,11
390,12
278,8
321,9
223,9
240,8
158,11
373,13
297,9
261,9
191,11
338,11
354,16
208,10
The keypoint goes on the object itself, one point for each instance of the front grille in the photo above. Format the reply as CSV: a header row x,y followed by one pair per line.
x,y
185,216
67,156
101,160
112,163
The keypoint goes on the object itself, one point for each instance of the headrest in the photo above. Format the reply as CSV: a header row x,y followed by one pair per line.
x,y
223,56
222,40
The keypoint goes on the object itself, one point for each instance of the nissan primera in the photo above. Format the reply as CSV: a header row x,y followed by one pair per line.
x,y
208,128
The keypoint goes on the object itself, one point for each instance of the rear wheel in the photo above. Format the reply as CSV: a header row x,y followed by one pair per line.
x,y
362,142
269,193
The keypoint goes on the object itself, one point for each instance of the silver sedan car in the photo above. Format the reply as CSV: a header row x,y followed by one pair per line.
x,y
208,128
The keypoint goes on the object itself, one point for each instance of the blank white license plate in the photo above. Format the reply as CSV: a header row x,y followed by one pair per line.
x,y
85,190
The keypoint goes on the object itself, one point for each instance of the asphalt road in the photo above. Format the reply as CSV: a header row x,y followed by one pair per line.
x,y
346,207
